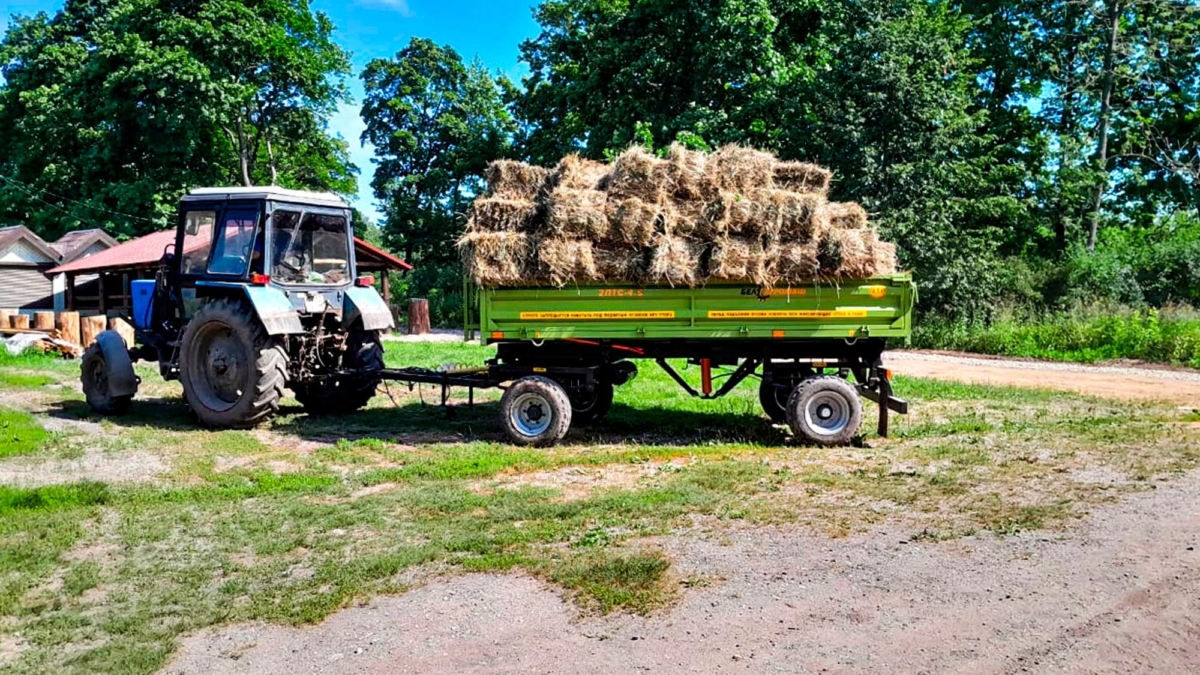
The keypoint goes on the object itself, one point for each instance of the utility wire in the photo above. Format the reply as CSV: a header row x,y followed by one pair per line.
x,y
24,187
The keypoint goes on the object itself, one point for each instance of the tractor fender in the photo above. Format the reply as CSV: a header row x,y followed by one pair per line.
x,y
274,310
366,304
122,381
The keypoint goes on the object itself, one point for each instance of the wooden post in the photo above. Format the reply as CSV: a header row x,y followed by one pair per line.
x,y
124,329
43,321
418,317
6,317
100,284
19,321
71,292
90,327
68,327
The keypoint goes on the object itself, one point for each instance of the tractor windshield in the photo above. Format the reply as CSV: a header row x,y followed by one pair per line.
x,y
310,249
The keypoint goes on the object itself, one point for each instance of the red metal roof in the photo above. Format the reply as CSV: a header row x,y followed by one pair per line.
x,y
379,255
148,250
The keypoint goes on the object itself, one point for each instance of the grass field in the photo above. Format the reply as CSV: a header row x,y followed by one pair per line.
x,y
119,536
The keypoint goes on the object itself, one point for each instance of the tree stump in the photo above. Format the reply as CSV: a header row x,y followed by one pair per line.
x,y
6,317
19,321
418,317
68,327
89,328
43,321
124,329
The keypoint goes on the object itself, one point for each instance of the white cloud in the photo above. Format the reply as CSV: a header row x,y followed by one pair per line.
x,y
400,6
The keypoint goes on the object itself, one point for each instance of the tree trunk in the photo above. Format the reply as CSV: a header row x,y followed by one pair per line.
x,y
271,158
19,321
43,321
418,317
90,327
68,327
1114,8
6,317
244,154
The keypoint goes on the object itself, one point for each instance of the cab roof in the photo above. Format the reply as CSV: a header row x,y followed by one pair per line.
x,y
272,193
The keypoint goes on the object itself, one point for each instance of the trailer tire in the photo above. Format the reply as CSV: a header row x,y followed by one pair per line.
x,y
591,407
365,355
769,396
94,377
233,372
825,411
535,411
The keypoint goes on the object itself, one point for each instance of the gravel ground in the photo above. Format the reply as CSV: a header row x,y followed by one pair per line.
x,y
1118,594
1179,386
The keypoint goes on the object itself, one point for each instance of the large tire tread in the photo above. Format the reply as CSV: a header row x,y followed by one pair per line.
x,y
270,367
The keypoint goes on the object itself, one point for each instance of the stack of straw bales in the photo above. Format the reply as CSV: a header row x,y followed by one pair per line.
x,y
737,215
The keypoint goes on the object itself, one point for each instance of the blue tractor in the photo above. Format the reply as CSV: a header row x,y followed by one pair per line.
x,y
258,293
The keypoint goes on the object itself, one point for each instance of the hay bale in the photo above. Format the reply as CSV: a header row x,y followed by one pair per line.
x,y
495,259
634,223
803,177
847,254
576,213
744,259
734,168
566,261
732,214
621,266
508,179
799,263
886,259
792,216
846,216
494,214
687,174
675,261
577,173
639,174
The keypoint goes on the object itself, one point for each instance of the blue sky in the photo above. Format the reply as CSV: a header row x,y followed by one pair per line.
x,y
369,29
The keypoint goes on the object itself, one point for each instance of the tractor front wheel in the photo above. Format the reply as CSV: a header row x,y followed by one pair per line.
x,y
233,372
94,377
364,356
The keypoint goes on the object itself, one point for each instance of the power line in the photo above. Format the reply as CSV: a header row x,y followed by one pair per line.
x,y
24,187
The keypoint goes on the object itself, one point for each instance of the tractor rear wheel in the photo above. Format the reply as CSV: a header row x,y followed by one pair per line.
x,y
233,372
364,355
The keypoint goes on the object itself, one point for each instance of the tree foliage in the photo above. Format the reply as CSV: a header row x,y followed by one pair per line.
x,y
110,109
436,122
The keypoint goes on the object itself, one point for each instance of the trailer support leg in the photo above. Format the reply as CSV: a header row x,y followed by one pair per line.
x,y
885,395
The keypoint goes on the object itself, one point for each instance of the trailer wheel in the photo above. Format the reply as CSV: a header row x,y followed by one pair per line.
x,y
364,354
774,400
232,371
94,377
825,411
588,407
535,411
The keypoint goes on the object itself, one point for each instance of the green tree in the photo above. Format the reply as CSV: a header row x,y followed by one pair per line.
x,y
109,110
436,123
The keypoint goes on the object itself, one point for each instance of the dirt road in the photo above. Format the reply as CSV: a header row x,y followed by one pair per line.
x,y
1181,387
1120,594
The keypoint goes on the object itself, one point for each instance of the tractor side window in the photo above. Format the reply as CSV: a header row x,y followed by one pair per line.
x,y
233,245
197,240
313,249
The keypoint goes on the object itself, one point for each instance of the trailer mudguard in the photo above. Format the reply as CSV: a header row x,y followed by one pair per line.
x,y
365,304
122,381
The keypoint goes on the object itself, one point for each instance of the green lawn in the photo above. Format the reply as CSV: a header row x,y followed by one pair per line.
x,y
291,522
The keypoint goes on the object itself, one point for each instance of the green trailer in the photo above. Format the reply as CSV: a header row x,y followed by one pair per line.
x,y
816,350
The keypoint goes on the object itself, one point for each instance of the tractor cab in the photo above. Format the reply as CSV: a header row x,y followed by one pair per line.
x,y
300,244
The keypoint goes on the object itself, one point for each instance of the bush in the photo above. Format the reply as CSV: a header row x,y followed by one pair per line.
x,y
1095,333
